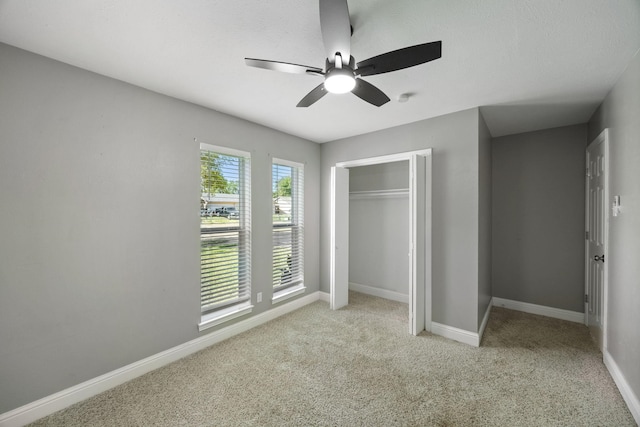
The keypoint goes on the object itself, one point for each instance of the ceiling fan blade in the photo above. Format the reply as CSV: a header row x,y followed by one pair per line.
x,y
399,59
336,28
313,96
285,67
368,92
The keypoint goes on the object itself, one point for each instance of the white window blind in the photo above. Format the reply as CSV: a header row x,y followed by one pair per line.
x,y
225,228
287,180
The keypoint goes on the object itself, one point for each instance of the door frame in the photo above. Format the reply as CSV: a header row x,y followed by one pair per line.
x,y
603,138
339,246
420,275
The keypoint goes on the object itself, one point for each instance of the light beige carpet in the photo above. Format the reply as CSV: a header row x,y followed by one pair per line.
x,y
359,367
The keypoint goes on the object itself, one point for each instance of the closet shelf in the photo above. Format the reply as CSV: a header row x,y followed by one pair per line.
x,y
379,194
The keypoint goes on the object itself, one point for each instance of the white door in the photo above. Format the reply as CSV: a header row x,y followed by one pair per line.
x,y
339,258
597,220
417,227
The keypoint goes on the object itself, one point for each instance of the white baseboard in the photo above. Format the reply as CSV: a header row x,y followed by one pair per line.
x,y
627,393
55,402
456,334
377,292
324,296
462,335
485,320
557,313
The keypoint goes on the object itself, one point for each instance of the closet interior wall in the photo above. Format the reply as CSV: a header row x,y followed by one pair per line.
x,y
379,230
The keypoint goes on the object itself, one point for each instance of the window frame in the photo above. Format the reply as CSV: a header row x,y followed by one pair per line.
x,y
226,312
297,230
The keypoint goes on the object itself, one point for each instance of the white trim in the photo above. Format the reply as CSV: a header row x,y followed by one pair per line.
x,y
216,318
456,334
378,292
626,391
339,235
586,242
418,207
289,163
285,294
556,313
383,159
425,260
55,402
485,320
428,241
379,194
461,335
225,150
325,296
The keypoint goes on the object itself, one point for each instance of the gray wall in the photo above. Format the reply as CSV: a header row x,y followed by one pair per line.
x,y
454,139
484,219
99,191
620,112
379,228
538,217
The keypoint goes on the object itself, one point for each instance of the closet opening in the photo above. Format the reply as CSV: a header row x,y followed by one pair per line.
x,y
381,232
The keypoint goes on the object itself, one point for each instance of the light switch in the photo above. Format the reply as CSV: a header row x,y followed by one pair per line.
x,y
616,205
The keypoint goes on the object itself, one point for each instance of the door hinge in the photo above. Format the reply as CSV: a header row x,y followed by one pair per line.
x,y
586,298
586,235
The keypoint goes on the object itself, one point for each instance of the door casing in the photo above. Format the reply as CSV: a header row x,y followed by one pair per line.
x,y
339,258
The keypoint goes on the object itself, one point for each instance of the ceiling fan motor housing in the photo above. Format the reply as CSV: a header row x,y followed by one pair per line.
x,y
330,65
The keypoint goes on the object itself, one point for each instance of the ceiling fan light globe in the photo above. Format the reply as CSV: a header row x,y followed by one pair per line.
x,y
340,80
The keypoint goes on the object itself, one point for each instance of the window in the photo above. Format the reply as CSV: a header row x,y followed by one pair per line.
x,y
225,234
287,179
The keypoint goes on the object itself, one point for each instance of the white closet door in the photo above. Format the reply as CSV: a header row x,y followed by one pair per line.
x,y
417,230
339,238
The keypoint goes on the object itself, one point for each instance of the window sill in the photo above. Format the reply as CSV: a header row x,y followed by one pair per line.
x,y
285,294
213,319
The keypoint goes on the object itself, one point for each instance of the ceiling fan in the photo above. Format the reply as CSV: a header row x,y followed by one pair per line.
x,y
342,74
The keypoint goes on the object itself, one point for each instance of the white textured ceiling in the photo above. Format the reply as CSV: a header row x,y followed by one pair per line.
x,y
530,64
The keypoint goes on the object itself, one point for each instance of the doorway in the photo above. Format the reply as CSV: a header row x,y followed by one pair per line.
x,y
379,230
597,230
419,220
